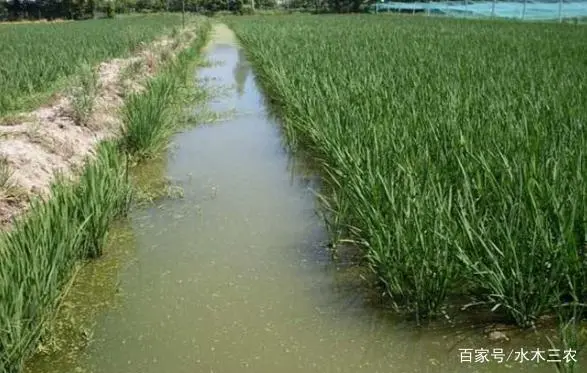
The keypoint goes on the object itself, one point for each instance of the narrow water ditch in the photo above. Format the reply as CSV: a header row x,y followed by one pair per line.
x,y
233,277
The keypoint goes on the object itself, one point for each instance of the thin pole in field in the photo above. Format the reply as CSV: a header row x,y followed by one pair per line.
x,y
524,10
493,9
560,11
183,13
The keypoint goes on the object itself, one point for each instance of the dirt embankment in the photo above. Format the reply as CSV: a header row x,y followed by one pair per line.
x,y
26,22
36,145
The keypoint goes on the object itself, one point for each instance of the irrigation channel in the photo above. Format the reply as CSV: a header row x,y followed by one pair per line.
x,y
234,277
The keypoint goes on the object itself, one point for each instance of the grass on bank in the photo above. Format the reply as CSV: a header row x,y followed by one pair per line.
x,y
37,58
150,117
147,120
38,256
83,95
453,150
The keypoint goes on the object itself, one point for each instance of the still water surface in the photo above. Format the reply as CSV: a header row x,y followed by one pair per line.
x,y
234,276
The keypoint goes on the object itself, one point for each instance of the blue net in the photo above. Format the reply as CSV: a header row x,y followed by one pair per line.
x,y
529,10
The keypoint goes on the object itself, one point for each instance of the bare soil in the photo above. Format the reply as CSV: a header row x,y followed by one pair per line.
x,y
35,145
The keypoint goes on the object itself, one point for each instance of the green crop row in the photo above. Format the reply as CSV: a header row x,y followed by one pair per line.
x,y
38,255
36,58
454,152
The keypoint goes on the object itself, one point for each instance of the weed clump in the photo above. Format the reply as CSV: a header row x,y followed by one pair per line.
x,y
83,95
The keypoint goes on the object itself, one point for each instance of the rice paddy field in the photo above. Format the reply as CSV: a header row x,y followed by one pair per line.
x,y
62,231
454,152
36,58
452,155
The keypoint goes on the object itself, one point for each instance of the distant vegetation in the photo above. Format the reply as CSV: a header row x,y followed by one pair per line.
x,y
84,9
36,56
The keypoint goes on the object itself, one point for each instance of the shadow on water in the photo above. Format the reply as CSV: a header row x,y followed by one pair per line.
x,y
234,276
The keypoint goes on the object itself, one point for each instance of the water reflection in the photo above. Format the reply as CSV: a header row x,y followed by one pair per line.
x,y
241,72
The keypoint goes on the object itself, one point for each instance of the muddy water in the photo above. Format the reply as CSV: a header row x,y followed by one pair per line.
x,y
234,277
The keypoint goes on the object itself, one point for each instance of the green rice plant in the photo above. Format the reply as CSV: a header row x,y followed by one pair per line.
x,y
525,251
96,202
452,151
573,339
83,95
37,59
31,279
151,116
38,255
147,118
572,336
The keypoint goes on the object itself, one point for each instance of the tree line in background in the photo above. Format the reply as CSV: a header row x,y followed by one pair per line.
x,y
13,10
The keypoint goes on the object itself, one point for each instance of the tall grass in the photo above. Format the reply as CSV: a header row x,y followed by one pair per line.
x,y
151,116
453,150
37,57
147,117
38,255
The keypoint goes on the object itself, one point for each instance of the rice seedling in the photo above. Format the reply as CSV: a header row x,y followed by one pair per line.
x,y
151,116
38,58
452,151
96,203
147,118
38,255
572,337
